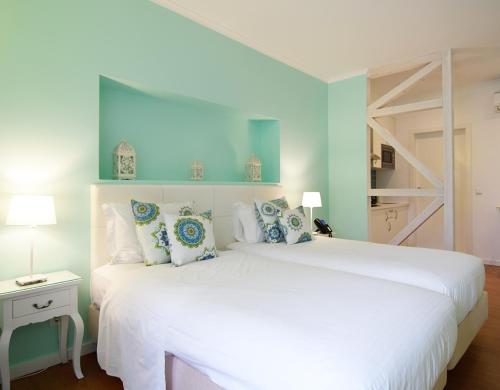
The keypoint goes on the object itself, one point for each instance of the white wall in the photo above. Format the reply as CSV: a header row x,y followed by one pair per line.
x,y
474,108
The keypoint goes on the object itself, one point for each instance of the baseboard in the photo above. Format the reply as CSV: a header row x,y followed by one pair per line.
x,y
492,261
47,361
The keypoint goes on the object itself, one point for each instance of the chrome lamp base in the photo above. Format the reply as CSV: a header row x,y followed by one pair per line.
x,y
31,279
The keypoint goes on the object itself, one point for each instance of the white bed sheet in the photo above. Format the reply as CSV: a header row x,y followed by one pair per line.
x,y
457,275
104,276
253,323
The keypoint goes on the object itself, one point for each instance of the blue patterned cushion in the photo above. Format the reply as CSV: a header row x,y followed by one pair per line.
x,y
294,226
267,216
151,230
191,238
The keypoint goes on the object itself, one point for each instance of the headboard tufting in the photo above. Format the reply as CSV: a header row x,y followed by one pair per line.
x,y
220,198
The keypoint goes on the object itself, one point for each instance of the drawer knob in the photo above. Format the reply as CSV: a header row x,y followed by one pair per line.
x,y
37,306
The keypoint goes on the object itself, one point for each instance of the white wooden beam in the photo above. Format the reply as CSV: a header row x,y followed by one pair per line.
x,y
405,192
444,190
402,66
404,86
449,192
405,153
411,107
418,221
368,164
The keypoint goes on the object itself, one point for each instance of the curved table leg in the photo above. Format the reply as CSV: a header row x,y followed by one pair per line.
x,y
77,344
63,339
4,357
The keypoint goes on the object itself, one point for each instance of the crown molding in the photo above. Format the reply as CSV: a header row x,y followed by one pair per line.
x,y
348,75
230,33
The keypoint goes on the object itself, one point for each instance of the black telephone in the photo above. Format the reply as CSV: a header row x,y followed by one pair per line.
x,y
323,227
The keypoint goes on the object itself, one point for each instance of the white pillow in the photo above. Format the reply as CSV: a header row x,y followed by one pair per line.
x,y
267,217
294,226
245,224
238,233
123,245
150,228
191,238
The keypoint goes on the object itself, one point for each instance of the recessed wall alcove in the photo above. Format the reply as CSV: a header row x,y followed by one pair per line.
x,y
168,131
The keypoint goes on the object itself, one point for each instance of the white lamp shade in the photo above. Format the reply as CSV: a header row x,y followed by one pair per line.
x,y
311,199
27,210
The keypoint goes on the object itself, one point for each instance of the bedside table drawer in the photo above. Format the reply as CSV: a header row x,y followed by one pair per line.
x,y
38,303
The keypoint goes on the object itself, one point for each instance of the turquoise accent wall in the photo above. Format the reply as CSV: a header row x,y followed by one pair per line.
x,y
265,144
52,54
348,157
169,131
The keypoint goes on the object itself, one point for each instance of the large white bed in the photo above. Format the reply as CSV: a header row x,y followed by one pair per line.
x,y
252,323
104,276
457,275
244,321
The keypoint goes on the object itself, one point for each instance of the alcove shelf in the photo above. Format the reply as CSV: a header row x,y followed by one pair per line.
x,y
181,182
169,131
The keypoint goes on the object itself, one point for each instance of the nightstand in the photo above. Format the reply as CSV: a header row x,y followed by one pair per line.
x,y
57,297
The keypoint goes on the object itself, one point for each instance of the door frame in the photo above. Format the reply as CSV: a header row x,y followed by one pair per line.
x,y
468,179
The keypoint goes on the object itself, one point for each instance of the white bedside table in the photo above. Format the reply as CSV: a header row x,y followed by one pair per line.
x,y
57,297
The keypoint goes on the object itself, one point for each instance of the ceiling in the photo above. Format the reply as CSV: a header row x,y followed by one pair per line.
x,y
333,39
470,66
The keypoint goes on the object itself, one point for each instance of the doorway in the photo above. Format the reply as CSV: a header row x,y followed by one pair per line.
x,y
428,147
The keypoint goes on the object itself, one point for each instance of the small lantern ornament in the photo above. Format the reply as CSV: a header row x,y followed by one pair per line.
x,y
253,169
197,170
124,161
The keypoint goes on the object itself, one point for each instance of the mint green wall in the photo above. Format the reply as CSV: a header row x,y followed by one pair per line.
x,y
265,143
51,55
169,131
348,157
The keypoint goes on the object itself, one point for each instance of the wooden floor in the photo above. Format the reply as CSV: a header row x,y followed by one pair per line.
x,y
62,377
479,369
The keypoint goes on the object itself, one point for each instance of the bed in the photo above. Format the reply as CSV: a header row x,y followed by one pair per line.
x,y
457,275
287,329
283,316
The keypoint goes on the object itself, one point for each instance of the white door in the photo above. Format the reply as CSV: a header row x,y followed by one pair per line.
x,y
429,150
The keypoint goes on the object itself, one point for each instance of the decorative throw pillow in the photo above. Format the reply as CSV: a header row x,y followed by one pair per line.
x,y
207,214
294,226
191,238
151,230
267,216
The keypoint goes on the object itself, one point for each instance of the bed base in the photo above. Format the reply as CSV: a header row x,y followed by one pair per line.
x,y
178,374
181,376
469,328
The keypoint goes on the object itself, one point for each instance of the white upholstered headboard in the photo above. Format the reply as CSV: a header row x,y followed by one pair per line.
x,y
218,198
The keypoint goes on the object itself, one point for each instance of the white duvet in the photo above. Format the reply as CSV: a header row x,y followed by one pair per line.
x,y
102,278
457,275
253,323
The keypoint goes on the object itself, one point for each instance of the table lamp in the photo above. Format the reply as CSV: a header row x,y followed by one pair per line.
x,y
311,199
32,211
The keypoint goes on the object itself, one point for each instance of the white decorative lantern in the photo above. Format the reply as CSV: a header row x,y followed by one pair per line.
x,y
124,161
196,170
253,169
